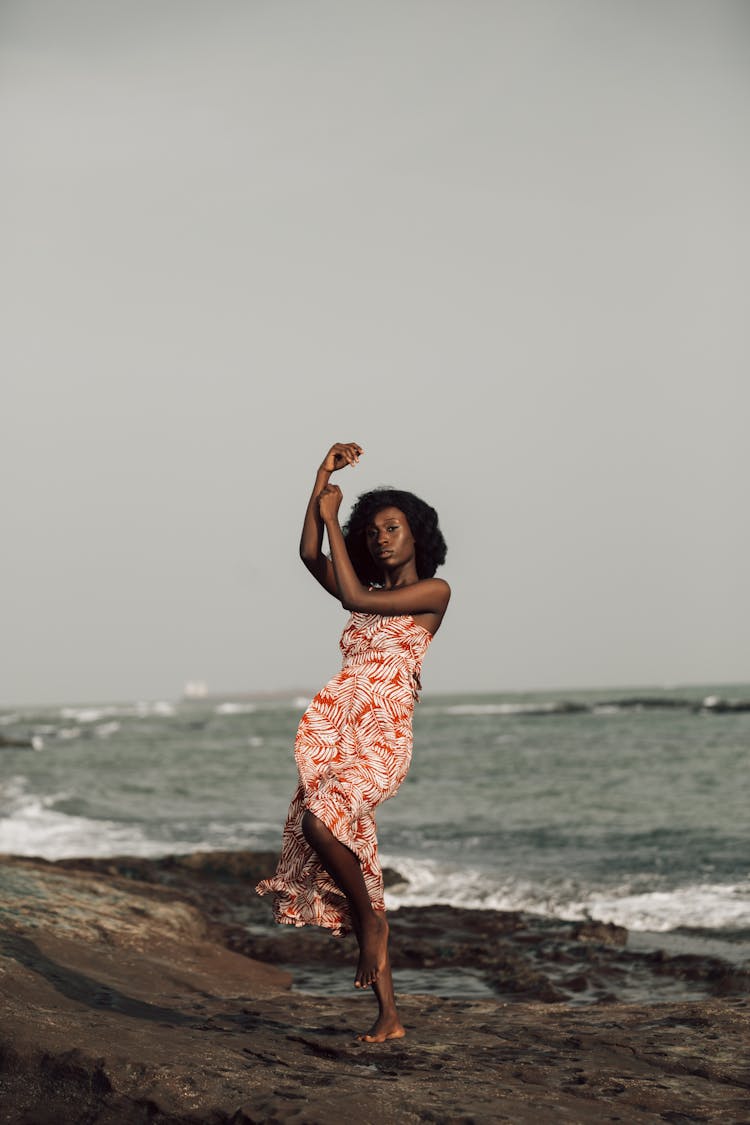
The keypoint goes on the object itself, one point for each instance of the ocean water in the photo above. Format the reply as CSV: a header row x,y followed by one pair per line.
x,y
630,807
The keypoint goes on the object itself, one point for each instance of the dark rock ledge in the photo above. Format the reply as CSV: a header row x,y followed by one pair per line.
x,y
128,996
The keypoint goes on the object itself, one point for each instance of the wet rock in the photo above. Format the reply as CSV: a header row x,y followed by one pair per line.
x,y
16,742
519,956
714,704
719,977
121,1005
606,933
579,983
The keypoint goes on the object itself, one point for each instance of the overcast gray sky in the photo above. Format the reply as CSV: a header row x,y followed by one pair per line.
x,y
504,246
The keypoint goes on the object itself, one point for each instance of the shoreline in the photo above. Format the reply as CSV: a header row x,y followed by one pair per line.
x,y
510,955
514,953
149,990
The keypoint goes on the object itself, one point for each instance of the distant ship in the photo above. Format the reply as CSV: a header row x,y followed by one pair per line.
x,y
195,689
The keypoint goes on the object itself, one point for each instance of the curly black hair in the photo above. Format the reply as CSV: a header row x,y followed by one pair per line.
x,y
429,545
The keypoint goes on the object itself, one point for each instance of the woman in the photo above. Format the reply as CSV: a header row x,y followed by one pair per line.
x,y
353,745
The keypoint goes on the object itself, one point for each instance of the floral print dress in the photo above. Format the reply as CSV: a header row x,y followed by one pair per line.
x,y
353,749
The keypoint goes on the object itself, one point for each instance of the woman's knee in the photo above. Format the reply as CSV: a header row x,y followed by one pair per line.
x,y
313,829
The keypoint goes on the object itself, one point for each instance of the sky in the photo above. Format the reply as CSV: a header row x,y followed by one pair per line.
x,y
503,246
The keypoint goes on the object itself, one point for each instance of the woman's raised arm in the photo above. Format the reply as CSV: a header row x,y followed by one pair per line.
x,y
311,541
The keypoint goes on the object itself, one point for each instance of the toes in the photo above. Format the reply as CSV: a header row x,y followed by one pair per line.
x,y
366,978
382,1036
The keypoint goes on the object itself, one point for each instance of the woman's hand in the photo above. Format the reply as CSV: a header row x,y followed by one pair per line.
x,y
340,455
329,502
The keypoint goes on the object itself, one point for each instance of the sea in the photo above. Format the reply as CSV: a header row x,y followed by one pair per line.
x,y
627,806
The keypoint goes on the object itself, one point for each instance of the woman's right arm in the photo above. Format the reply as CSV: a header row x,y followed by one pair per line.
x,y
311,540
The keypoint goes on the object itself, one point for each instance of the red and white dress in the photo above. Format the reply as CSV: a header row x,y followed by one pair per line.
x,y
353,749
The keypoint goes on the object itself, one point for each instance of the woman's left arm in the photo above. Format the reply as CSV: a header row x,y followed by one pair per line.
x,y
430,595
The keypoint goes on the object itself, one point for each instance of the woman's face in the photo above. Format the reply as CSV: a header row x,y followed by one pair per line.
x,y
389,538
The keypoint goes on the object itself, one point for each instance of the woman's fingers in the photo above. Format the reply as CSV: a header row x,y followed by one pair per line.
x,y
351,451
342,453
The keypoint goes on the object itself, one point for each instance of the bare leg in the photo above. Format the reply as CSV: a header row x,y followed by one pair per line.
x,y
370,925
387,1025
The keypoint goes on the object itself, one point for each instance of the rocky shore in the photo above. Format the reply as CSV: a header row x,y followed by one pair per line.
x,y
157,991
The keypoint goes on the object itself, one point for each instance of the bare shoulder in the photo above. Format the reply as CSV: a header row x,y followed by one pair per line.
x,y
438,584
439,587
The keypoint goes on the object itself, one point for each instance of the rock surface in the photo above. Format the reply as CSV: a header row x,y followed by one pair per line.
x,y
128,996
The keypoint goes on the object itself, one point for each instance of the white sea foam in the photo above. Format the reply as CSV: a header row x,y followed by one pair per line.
x,y
35,828
711,906
159,707
235,708
87,714
31,826
702,905
139,710
429,881
106,730
497,709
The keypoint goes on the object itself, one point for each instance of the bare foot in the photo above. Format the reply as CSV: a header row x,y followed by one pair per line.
x,y
385,1027
373,951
